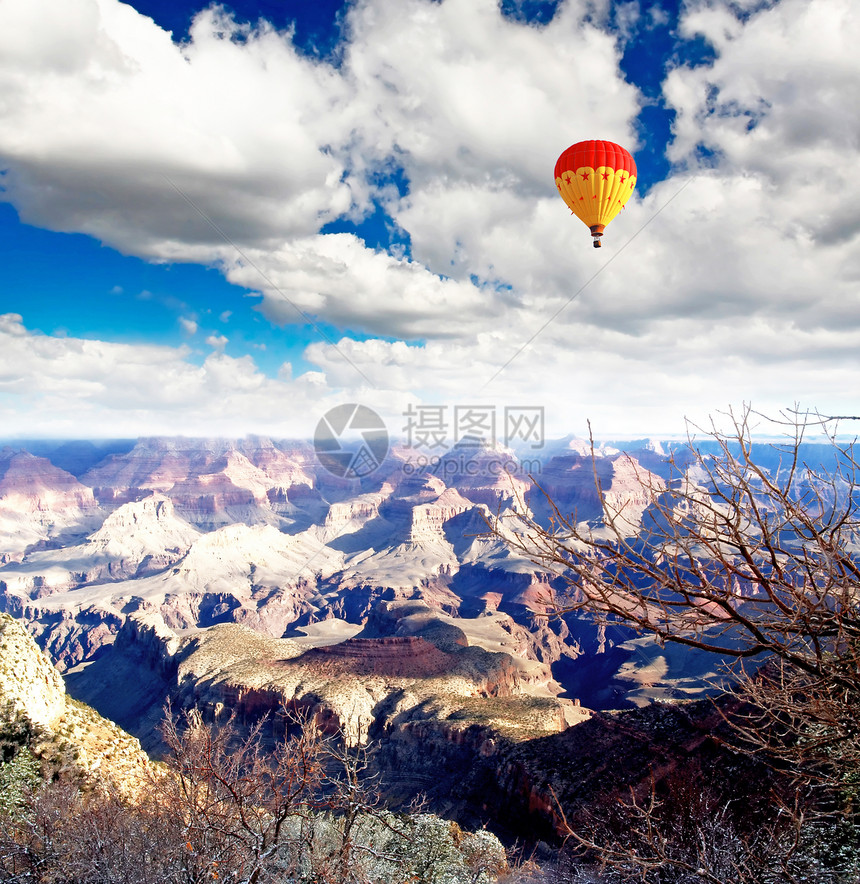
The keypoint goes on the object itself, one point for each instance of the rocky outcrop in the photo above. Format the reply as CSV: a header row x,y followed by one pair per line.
x,y
69,636
349,685
146,638
233,490
397,657
135,540
630,491
211,481
69,738
147,520
571,482
250,574
428,519
355,686
33,484
488,475
29,684
523,592
349,516
152,465
538,785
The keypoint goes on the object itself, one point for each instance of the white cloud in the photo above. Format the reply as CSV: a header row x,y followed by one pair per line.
x,y
775,107
118,132
336,279
217,342
478,107
55,386
258,136
579,373
627,18
468,94
743,287
656,15
189,326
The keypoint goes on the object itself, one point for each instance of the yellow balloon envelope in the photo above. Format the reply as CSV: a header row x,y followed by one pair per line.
x,y
595,179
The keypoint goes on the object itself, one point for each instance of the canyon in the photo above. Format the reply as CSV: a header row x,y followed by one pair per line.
x,y
243,579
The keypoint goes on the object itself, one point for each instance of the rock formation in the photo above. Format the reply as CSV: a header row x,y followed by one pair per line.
x,y
135,540
68,737
39,504
208,532
360,686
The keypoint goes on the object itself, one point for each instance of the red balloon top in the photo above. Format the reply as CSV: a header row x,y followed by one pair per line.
x,y
595,154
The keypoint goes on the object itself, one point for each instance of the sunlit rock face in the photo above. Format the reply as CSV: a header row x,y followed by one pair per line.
x,y
34,484
428,519
409,665
255,532
69,738
39,504
29,684
136,539
211,482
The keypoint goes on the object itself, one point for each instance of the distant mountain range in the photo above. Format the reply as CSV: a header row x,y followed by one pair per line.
x,y
259,533
243,577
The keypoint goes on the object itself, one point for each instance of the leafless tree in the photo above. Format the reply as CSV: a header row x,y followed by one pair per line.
x,y
742,548
684,833
731,556
227,806
235,801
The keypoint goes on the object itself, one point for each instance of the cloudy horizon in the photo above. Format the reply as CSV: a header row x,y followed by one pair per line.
x,y
231,230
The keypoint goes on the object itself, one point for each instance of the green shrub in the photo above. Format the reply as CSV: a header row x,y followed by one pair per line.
x,y
17,776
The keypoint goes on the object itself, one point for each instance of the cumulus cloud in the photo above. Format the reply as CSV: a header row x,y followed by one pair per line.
x,y
57,385
189,326
150,145
170,151
733,279
477,107
337,279
619,382
217,342
467,94
773,106
120,133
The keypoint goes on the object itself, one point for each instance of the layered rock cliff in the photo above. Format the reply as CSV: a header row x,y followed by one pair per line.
x,y
135,540
359,686
39,503
204,532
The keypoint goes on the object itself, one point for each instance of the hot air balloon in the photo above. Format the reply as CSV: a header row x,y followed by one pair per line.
x,y
595,179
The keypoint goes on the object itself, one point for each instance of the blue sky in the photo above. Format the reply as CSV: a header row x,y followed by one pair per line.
x,y
73,284
279,206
